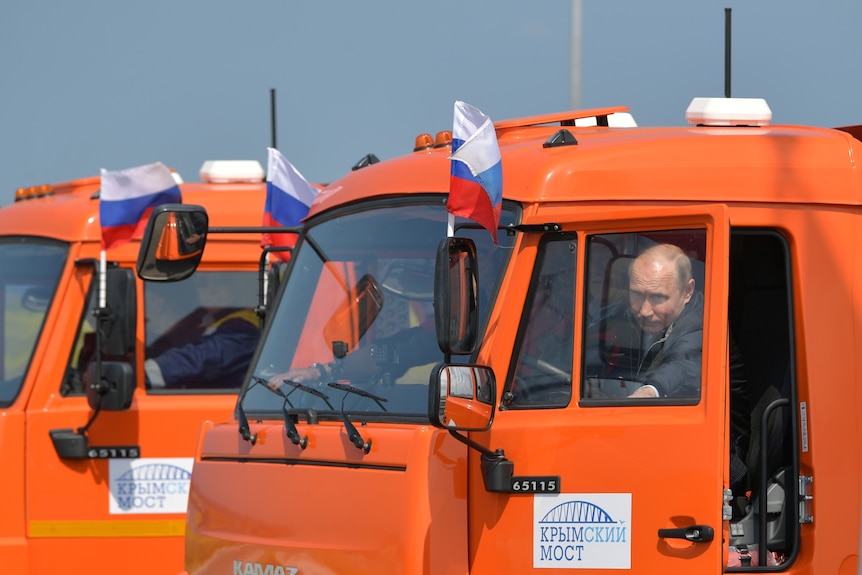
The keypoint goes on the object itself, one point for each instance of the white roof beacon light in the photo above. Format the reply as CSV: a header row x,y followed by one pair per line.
x,y
728,112
232,172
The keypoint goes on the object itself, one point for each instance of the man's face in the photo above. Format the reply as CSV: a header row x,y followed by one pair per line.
x,y
655,294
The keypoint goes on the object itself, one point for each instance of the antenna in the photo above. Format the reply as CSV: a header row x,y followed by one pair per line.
x,y
727,52
272,114
577,51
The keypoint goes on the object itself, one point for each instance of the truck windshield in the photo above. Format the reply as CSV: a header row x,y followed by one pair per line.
x,y
357,309
30,270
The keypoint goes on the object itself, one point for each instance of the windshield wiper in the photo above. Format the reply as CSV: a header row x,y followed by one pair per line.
x,y
357,391
289,426
352,434
307,389
244,428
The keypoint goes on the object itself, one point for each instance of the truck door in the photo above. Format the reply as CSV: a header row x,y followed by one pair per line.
x,y
124,503
607,476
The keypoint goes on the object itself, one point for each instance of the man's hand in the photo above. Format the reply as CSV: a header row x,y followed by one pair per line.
x,y
644,391
299,375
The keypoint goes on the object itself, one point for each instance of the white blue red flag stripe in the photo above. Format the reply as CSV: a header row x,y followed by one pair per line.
x,y
288,198
128,196
476,181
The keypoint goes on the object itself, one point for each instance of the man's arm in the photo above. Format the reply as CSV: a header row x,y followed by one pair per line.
x,y
676,371
216,360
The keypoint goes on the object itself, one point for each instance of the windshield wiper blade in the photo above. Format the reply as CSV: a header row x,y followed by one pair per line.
x,y
356,391
307,389
352,434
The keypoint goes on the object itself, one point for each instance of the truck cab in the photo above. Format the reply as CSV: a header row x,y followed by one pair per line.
x,y
429,397
97,456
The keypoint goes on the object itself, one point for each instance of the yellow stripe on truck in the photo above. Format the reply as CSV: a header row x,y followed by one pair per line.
x,y
56,529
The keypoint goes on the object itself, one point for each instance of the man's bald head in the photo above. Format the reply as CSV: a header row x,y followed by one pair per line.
x,y
660,285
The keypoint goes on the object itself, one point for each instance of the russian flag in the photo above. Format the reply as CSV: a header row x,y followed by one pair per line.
x,y
476,182
288,198
128,196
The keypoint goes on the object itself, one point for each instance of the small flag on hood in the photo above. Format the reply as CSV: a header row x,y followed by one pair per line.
x,y
128,197
476,182
288,198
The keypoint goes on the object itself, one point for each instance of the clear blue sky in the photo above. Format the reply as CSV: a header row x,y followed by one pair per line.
x,y
107,84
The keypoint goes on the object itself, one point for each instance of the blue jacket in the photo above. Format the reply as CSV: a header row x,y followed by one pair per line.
x,y
219,357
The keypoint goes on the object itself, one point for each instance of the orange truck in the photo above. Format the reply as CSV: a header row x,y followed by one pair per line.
x,y
97,481
427,400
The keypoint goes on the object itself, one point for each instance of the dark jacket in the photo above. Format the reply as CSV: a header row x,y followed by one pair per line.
x,y
671,362
219,355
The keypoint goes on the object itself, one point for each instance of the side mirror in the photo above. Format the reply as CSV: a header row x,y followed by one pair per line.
x,y
461,397
356,313
121,301
173,242
456,296
269,281
114,391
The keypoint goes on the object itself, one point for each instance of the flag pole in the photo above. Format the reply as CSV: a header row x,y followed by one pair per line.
x,y
577,50
103,280
265,277
272,115
450,225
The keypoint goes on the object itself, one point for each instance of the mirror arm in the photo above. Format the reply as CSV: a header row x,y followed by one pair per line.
x,y
317,249
254,229
497,471
83,430
473,445
73,444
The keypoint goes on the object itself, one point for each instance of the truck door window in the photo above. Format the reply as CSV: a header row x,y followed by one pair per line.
x,y
643,335
30,270
543,370
200,332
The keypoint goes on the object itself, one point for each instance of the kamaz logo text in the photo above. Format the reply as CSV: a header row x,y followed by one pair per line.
x,y
241,567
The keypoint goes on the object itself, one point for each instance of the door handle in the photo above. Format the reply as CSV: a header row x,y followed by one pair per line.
x,y
694,533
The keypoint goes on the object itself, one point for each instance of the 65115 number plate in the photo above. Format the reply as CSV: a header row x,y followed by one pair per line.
x,y
535,484
114,452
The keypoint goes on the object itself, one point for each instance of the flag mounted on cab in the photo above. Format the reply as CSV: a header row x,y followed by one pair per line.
x,y
288,199
476,181
127,197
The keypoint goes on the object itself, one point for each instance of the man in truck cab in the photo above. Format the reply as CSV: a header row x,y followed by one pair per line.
x,y
400,337
213,342
656,341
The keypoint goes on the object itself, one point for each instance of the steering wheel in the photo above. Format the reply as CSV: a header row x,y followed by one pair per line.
x,y
548,383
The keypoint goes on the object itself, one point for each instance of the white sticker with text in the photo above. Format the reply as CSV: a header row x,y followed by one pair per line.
x,y
582,531
149,485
